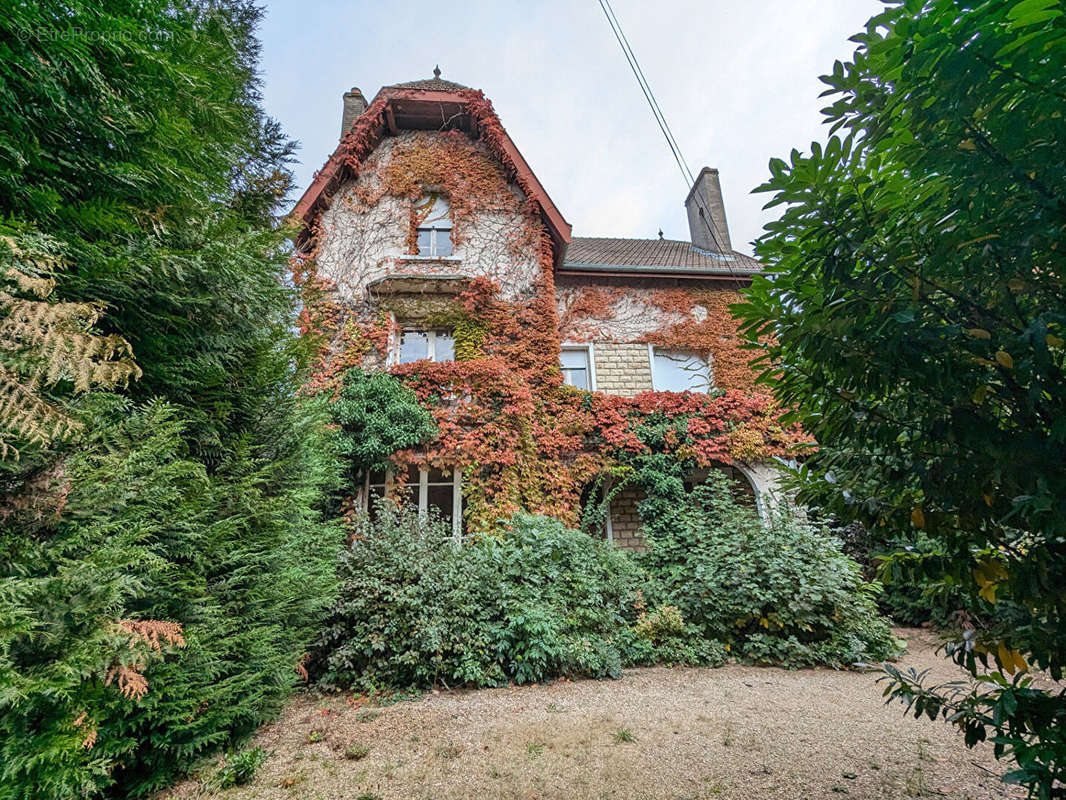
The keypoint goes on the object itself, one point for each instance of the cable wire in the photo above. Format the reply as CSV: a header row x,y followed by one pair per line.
x,y
664,126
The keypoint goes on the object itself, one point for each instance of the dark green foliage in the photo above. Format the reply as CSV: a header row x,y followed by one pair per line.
x,y
239,561
240,768
919,315
907,603
378,415
138,147
526,603
534,600
782,592
941,602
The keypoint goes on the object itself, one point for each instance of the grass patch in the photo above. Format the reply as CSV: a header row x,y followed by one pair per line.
x,y
240,768
356,752
622,735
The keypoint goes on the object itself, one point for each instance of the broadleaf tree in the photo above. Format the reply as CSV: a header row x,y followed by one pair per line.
x,y
914,319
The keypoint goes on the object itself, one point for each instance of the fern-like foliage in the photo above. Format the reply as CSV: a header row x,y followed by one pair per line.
x,y
45,343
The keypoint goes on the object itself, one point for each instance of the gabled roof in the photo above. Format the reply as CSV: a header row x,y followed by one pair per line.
x,y
435,83
432,104
656,257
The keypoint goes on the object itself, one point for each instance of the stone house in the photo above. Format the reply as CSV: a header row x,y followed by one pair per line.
x,y
428,247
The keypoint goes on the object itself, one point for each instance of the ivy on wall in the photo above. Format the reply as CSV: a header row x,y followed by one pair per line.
x,y
523,440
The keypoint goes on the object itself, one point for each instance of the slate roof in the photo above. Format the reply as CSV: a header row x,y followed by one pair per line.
x,y
594,254
432,84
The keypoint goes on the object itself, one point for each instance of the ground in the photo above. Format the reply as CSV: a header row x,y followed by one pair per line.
x,y
732,732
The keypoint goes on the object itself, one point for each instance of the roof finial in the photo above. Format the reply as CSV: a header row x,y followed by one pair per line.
x,y
436,71
660,233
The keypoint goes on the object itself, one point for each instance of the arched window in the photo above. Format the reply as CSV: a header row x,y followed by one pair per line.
x,y
435,227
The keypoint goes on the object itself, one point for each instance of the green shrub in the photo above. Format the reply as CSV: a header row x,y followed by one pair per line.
x,y
781,592
378,415
662,636
527,602
240,768
235,557
533,600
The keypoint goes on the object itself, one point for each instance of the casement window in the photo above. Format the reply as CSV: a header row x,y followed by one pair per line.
x,y
415,345
437,489
576,364
678,371
434,227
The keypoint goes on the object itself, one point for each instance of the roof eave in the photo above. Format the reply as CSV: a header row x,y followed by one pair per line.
x,y
317,193
627,270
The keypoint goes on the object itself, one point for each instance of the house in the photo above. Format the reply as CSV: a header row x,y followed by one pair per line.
x,y
428,247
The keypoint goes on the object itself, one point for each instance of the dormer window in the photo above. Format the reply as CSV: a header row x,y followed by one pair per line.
x,y
434,227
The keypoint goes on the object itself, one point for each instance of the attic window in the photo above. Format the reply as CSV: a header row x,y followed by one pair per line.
x,y
434,227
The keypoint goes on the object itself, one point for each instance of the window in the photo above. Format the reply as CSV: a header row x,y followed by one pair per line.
x,y
416,345
375,487
679,371
435,227
439,489
576,364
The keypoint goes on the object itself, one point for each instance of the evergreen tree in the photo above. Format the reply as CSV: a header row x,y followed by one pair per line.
x,y
161,570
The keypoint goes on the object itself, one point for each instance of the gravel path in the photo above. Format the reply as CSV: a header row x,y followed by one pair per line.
x,y
731,732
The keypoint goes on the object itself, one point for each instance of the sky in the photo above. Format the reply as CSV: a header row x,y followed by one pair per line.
x,y
736,79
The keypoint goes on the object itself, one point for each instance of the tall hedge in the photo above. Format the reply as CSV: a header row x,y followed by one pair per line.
x,y
161,570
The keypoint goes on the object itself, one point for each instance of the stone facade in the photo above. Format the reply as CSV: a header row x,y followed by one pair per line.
x,y
625,528
363,236
622,369
508,249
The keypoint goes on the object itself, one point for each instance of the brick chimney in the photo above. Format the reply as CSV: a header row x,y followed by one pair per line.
x,y
706,213
354,105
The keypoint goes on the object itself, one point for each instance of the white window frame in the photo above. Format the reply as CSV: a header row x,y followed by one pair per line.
x,y
442,225
706,358
431,345
590,354
422,496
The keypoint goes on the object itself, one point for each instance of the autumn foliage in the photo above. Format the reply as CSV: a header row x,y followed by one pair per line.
x,y
524,441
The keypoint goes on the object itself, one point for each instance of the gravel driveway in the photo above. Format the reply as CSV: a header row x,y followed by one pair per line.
x,y
731,732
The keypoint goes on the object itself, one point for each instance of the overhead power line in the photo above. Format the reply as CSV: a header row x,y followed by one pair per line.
x,y
660,119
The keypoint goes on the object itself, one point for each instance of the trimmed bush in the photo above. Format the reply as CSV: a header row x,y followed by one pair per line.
x,y
378,415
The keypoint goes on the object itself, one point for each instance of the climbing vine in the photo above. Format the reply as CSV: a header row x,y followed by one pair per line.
x,y
523,440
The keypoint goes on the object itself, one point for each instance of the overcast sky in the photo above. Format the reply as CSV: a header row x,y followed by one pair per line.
x,y
737,80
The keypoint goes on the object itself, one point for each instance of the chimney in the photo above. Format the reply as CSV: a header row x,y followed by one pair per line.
x,y
706,213
354,105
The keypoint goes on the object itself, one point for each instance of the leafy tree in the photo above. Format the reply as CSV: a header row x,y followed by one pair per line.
x,y
919,316
135,152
